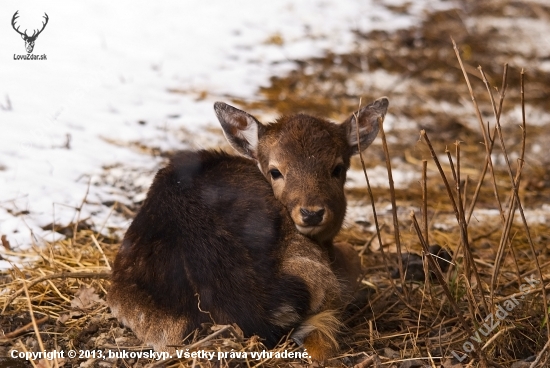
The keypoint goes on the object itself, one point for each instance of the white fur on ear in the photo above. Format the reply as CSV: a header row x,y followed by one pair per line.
x,y
240,128
369,118
250,134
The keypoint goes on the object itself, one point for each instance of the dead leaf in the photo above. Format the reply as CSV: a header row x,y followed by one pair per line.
x,y
63,318
5,242
84,299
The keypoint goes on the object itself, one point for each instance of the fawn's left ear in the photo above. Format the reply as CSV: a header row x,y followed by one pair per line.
x,y
240,128
368,118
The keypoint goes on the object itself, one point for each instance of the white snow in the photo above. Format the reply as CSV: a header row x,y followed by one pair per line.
x,y
120,75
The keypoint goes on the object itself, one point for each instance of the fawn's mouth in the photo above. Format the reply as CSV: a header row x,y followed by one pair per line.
x,y
309,230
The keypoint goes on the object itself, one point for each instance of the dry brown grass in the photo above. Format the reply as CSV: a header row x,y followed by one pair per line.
x,y
394,323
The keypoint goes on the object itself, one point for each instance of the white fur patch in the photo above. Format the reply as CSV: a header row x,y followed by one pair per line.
x,y
324,322
309,230
250,134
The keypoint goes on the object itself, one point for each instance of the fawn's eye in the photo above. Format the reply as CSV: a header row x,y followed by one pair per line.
x,y
275,174
338,170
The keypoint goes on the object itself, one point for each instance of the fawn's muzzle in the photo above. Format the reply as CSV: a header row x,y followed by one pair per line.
x,y
312,218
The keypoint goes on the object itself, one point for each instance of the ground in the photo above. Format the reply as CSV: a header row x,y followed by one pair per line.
x,y
486,309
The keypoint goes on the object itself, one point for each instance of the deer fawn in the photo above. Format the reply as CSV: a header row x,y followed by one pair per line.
x,y
218,240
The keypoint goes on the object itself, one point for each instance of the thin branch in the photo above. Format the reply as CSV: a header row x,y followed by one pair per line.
x,y
34,324
21,330
394,207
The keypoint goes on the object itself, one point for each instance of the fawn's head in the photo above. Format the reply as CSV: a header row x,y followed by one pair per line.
x,y
305,159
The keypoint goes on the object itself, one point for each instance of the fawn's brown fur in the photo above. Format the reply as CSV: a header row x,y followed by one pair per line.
x,y
218,240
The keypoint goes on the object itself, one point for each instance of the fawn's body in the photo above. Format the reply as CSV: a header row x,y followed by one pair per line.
x,y
217,242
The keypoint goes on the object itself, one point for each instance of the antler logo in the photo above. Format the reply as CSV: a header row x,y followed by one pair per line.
x,y
29,40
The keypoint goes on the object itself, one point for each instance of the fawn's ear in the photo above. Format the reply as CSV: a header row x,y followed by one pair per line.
x,y
240,128
368,118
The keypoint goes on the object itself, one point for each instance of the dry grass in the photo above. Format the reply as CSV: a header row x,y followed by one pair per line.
x,y
399,321
55,299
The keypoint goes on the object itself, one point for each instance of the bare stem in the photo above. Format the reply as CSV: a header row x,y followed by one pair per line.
x,y
378,228
394,206
34,324
425,200
486,139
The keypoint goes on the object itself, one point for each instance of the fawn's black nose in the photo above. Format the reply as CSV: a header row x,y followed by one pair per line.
x,y
312,218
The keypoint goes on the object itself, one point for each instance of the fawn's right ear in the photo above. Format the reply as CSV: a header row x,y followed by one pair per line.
x,y
366,122
240,128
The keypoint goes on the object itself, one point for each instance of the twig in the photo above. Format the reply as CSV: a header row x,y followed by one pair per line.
x,y
464,229
539,356
459,217
394,207
199,343
214,334
508,219
34,324
79,210
101,251
370,361
364,249
482,127
24,349
520,294
378,227
526,273
514,182
23,329
495,336
481,179
425,200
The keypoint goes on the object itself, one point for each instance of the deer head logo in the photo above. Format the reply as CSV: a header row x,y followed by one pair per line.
x,y
29,40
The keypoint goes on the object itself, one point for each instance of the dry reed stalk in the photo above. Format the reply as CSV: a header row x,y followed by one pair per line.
x,y
96,243
463,224
425,200
537,360
35,325
369,242
79,209
394,208
439,275
514,181
24,349
507,219
481,125
468,258
378,227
